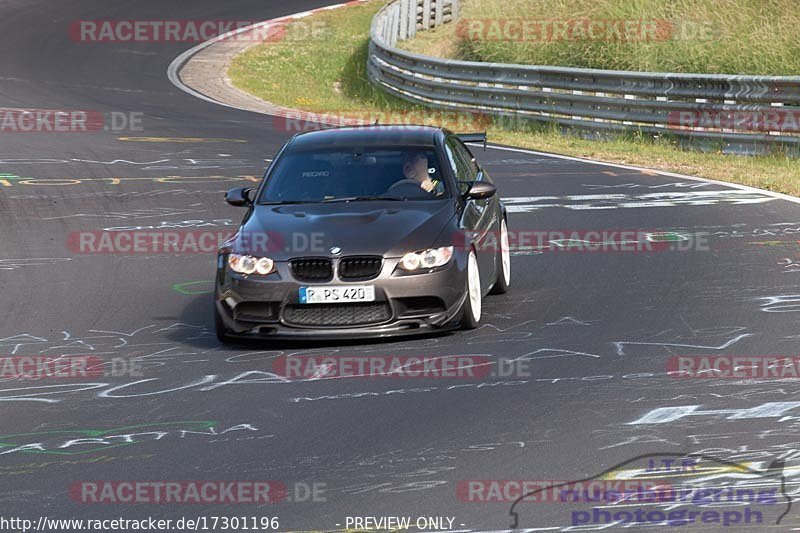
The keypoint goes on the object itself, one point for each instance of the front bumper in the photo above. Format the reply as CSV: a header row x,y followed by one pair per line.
x,y
405,304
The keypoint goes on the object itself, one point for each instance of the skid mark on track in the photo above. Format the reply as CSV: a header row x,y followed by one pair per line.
x,y
136,213
582,202
676,184
14,264
785,303
620,345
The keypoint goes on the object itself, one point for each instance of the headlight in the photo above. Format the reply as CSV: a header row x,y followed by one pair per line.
x,y
247,264
430,258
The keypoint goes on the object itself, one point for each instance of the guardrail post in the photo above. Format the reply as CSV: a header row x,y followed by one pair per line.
x,y
426,15
412,18
394,27
403,20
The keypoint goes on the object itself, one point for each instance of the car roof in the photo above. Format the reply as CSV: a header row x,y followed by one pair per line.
x,y
376,135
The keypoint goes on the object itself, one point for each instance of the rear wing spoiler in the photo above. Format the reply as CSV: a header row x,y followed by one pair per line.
x,y
473,138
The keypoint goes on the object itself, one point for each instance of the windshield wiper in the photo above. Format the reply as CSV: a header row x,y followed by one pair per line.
x,y
286,202
364,198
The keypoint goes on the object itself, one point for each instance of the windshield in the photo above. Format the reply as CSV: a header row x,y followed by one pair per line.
x,y
355,174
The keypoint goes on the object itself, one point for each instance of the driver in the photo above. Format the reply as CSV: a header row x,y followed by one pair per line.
x,y
415,167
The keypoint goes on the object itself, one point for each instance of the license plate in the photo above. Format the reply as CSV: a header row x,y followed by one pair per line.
x,y
328,295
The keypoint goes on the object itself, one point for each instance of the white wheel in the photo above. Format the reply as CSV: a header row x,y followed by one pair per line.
x,y
504,257
472,305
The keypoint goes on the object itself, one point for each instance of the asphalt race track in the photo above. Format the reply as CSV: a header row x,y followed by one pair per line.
x,y
595,330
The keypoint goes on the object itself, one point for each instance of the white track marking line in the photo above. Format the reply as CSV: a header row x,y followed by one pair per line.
x,y
650,171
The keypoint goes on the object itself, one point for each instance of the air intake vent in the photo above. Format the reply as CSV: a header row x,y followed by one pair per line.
x,y
360,268
337,315
312,269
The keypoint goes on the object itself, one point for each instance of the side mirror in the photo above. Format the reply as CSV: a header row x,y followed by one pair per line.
x,y
239,197
480,190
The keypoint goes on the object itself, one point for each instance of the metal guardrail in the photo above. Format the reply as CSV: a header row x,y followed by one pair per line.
x,y
735,114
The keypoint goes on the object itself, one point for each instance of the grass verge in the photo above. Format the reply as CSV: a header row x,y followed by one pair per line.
x,y
712,36
326,73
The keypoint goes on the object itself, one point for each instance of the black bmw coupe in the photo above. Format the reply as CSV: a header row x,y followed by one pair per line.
x,y
363,232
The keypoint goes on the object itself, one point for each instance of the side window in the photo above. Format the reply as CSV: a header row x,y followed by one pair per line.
x,y
474,168
468,169
451,159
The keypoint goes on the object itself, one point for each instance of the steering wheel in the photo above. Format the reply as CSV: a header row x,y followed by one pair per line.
x,y
407,187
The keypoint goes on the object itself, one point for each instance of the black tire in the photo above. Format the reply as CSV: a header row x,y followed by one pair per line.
x,y
469,317
503,276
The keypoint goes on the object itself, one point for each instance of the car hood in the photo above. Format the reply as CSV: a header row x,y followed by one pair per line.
x,y
357,228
